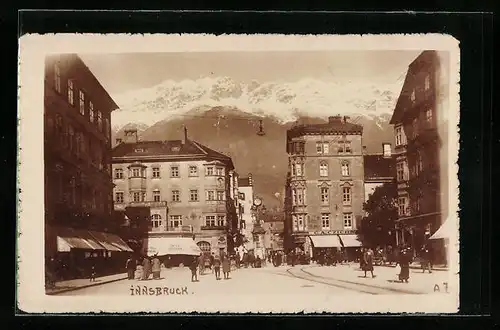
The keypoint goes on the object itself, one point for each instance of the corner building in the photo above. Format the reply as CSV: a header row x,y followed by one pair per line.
x,y
326,184
190,189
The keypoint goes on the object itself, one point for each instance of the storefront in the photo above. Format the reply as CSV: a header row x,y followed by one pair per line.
x,y
72,253
324,244
416,231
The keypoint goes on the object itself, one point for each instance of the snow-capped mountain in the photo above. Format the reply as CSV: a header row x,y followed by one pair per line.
x,y
285,101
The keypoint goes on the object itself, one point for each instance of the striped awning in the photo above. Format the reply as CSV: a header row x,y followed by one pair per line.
x,y
69,238
325,241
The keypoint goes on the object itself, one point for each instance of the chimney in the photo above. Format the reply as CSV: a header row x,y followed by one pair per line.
x,y
131,136
250,181
185,137
334,119
386,148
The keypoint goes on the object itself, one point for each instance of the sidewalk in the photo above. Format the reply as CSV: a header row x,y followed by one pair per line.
x,y
417,265
70,285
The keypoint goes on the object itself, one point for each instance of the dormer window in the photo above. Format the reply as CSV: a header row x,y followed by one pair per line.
x,y
219,171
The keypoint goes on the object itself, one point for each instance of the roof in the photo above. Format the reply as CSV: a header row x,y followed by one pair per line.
x,y
244,182
170,148
424,58
377,166
337,127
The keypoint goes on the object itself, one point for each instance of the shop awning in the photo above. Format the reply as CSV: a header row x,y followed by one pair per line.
x,y
350,240
111,242
68,238
443,231
325,241
171,246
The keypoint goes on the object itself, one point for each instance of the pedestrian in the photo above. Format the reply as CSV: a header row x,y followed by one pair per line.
x,y
92,272
368,262
146,268
156,267
217,264
130,266
404,263
226,266
212,260
194,269
201,263
426,261
362,258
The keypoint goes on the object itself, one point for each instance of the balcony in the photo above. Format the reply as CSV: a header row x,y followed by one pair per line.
x,y
146,204
213,227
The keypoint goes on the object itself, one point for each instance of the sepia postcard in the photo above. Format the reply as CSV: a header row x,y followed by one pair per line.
x,y
238,173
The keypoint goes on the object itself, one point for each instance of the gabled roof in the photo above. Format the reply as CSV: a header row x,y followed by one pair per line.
x,y
377,166
169,148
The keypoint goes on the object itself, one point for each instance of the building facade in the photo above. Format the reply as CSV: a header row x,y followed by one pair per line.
x,y
420,134
380,168
190,189
246,221
77,148
325,188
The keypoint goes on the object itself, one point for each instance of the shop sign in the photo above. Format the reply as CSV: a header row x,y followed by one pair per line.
x,y
335,232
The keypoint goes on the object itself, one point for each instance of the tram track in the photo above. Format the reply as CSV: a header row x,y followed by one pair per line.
x,y
302,273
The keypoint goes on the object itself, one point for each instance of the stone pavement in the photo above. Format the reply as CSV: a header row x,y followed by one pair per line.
x,y
75,284
385,278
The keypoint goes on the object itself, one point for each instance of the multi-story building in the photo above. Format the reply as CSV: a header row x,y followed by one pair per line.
x,y
191,190
379,169
326,183
246,221
77,163
419,121
273,226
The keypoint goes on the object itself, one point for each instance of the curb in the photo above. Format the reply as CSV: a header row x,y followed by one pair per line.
x,y
417,267
84,286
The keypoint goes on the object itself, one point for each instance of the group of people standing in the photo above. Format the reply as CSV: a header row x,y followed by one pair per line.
x,y
214,262
143,267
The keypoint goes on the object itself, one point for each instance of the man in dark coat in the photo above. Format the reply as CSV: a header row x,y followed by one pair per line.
x,y
426,256
404,262
146,266
130,266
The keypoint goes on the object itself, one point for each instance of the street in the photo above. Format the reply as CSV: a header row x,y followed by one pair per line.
x,y
275,281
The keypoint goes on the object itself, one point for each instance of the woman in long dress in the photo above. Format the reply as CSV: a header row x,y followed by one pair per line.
x,y
156,268
404,263
226,266
368,262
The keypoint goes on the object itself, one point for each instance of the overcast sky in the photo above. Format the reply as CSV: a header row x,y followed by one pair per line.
x,y
121,73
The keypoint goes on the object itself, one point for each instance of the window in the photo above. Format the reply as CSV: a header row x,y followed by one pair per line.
x,y
323,169
221,221
176,196
428,115
136,172
210,171
193,171
119,197
347,220
156,196
319,148
322,147
220,195
427,82
414,125
412,96
174,171
175,221
156,172
210,220
346,195
99,120
220,171
156,221
400,138
400,171
325,221
210,195
91,112
193,195
299,196
324,196
299,147
138,196
344,146
402,206
71,92
346,171
299,223
82,103
118,173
